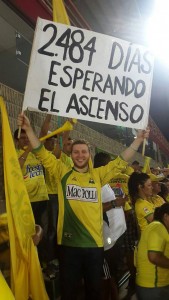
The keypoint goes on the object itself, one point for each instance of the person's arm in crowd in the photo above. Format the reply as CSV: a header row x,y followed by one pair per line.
x,y
44,131
24,122
65,136
38,235
57,150
118,202
24,155
128,153
48,160
158,259
45,126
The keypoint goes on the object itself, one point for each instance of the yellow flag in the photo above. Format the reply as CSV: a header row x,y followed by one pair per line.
x,y
146,168
5,291
59,12
60,16
26,275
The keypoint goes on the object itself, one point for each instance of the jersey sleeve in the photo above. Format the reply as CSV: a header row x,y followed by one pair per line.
x,y
107,172
156,241
54,166
144,209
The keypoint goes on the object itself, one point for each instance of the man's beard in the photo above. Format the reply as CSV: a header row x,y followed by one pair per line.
x,y
82,166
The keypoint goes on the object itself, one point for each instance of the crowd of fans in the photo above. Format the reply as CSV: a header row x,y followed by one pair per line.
x,y
97,220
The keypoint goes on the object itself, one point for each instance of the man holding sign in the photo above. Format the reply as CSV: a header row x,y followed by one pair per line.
x,y
80,211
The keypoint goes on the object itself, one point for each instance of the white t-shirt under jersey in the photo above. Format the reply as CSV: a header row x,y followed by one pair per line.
x,y
116,218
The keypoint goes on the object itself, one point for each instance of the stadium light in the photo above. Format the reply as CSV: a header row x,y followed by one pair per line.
x,y
158,31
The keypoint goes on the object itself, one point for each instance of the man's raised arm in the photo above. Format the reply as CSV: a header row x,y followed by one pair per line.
x,y
130,151
24,123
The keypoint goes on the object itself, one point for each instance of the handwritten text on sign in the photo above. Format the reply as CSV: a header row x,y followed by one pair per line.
x,y
86,75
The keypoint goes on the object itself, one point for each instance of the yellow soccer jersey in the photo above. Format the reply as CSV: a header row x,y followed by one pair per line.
x,y
143,209
33,175
80,206
157,200
51,183
154,238
66,159
122,179
127,206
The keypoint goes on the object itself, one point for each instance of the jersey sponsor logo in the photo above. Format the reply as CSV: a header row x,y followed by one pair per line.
x,y
118,180
74,179
91,181
67,235
33,171
86,194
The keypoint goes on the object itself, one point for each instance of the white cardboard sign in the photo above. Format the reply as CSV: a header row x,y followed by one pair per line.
x,y
82,74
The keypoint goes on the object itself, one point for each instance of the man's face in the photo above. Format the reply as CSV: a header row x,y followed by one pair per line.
x,y
50,143
166,172
80,155
67,147
136,167
23,141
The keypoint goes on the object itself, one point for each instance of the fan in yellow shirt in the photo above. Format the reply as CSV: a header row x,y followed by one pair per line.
x,y
32,169
156,185
121,179
140,190
152,258
34,180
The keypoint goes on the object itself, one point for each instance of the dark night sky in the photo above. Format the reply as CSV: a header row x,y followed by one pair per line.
x,y
159,106
101,21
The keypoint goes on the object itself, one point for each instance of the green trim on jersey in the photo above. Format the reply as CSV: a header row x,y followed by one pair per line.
x,y
34,150
74,237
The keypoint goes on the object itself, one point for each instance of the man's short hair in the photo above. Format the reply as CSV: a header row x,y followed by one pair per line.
x,y
80,142
135,162
16,133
